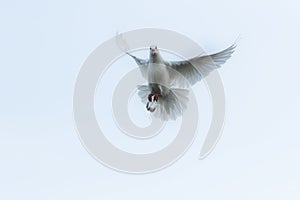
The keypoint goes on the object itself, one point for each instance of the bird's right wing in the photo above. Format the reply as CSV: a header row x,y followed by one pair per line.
x,y
123,46
142,63
195,69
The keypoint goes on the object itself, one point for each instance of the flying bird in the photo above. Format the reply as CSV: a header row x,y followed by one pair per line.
x,y
166,93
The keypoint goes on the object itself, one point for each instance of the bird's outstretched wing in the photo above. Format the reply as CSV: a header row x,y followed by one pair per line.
x,y
123,46
195,69
142,63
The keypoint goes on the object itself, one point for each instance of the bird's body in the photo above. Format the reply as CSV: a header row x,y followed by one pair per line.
x,y
162,96
158,76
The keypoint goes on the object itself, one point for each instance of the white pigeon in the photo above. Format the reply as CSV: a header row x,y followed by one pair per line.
x,y
166,93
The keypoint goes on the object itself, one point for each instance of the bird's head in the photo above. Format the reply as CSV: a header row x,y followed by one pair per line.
x,y
153,50
155,55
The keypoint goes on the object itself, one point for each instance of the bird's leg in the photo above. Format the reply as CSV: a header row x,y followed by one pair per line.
x,y
150,97
156,97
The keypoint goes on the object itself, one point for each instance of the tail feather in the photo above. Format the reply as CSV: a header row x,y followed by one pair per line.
x,y
144,91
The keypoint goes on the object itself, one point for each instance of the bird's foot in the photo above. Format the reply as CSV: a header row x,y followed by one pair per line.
x,y
149,108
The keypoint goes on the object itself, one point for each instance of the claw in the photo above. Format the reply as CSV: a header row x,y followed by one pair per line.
x,y
149,108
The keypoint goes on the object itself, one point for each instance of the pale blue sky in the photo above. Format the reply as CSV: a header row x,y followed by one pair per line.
x,y
44,43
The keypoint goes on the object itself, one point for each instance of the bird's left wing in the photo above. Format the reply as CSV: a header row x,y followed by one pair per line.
x,y
195,69
142,63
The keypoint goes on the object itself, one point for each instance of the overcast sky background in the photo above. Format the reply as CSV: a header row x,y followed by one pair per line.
x,y
44,43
